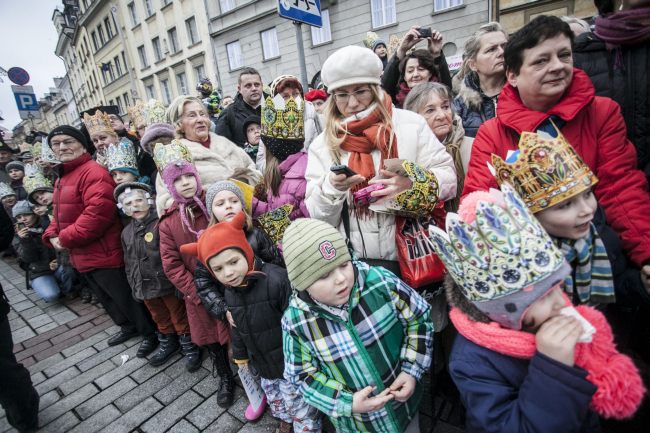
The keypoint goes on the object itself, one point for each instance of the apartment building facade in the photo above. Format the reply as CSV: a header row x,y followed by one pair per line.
x,y
514,14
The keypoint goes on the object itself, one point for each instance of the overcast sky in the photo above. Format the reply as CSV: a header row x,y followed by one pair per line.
x,y
27,40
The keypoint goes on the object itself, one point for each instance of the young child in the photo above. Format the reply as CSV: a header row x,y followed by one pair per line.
x,y
284,173
16,171
256,295
7,197
252,133
318,97
356,338
122,164
523,361
144,269
180,225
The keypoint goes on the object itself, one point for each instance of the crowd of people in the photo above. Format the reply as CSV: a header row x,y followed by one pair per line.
x,y
340,244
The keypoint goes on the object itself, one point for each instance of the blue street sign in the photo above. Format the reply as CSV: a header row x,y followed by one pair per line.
x,y
26,102
18,76
304,11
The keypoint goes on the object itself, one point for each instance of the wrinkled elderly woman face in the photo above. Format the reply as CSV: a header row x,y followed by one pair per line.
x,y
195,122
438,114
101,140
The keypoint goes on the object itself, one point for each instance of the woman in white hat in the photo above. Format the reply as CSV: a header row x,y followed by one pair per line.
x,y
362,130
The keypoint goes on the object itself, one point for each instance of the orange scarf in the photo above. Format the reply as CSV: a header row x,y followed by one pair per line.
x,y
365,135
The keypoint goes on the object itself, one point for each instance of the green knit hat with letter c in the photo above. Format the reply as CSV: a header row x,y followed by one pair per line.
x,y
312,248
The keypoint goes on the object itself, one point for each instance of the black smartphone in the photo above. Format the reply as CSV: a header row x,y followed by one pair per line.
x,y
425,32
342,169
20,226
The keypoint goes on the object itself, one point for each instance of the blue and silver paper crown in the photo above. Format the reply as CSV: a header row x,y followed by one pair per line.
x,y
6,190
121,156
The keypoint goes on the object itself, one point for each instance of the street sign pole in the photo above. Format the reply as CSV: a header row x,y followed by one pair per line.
x,y
301,56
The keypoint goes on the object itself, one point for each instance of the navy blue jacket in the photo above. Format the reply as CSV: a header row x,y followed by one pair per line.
x,y
472,105
503,394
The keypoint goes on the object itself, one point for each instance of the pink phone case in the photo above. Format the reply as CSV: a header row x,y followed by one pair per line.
x,y
363,198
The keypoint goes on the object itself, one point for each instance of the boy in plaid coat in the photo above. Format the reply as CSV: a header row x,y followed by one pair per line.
x,y
355,336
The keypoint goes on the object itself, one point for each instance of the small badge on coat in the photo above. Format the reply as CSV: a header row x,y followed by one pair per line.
x,y
148,237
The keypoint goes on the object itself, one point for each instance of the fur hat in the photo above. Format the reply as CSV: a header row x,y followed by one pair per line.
x,y
15,165
351,65
311,249
501,258
220,237
155,132
23,207
216,188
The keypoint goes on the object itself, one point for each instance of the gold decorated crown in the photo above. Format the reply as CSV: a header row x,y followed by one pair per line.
x,y
136,114
545,171
283,119
98,123
121,156
167,154
155,112
35,179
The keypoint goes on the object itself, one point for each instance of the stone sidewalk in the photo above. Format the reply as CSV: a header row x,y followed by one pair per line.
x,y
86,387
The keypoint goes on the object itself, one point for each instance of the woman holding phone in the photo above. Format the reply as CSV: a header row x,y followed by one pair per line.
x,y
363,130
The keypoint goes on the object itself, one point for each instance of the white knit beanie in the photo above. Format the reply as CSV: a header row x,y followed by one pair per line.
x,y
351,65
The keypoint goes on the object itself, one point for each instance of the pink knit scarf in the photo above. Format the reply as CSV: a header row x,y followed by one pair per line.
x,y
620,388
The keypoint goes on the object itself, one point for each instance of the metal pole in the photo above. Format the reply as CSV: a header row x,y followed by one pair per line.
x,y
301,56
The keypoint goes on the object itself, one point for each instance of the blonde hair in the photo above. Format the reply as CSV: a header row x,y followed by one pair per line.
x,y
473,45
175,111
249,220
334,125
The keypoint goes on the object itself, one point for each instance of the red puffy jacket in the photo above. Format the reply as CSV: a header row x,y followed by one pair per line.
x,y
596,130
85,216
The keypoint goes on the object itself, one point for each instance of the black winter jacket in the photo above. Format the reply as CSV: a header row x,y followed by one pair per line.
x,y
626,83
34,253
6,235
231,121
210,291
257,310
143,265
472,105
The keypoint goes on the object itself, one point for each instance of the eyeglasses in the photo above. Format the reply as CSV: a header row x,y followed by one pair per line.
x,y
344,98
69,142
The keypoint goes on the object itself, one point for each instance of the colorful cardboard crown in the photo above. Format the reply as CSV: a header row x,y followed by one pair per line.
x,y
546,170
35,179
137,114
175,152
155,112
504,251
283,119
121,156
6,190
370,39
98,123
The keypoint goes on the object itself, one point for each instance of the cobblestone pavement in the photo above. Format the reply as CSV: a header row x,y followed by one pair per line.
x,y
85,387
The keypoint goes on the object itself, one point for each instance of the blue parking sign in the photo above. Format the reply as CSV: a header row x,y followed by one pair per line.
x,y
26,102
304,11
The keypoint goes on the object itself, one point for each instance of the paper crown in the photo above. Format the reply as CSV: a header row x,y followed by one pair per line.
x,y
370,39
175,152
248,191
43,153
504,251
155,112
545,171
283,119
136,114
121,156
6,190
35,179
98,123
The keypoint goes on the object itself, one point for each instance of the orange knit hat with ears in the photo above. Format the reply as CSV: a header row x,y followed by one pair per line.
x,y
220,237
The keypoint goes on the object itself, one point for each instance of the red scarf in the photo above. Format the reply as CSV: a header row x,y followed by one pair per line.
x,y
364,136
620,389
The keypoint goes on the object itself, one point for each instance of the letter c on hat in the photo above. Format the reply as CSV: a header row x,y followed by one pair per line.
x,y
327,250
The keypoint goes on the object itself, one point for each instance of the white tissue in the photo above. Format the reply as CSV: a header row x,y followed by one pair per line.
x,y
588,329
124,359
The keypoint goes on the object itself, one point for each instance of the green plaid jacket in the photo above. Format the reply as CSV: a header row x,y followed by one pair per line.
x,y
389,330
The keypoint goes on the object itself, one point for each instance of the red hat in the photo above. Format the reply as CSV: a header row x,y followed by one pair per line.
x,y
312,95
220,237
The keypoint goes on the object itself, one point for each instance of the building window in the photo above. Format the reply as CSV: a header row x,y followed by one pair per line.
x,y
172,36
109,29
118,66
148,9
383,12
166,2
143,56
100,31
323,34
181,80
93,36
157,53
110,71
166,92
126,65
200,72
270,45
227,5
127,102
133,14
235,57
118,102
151,93
440,5
192,31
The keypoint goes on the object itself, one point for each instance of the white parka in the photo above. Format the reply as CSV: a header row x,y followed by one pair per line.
x,y
416,143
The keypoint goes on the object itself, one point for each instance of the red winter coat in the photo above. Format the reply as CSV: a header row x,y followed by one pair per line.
x,y
596,130
85,216
179,268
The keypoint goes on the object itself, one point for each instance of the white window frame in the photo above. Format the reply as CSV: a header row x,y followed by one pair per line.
x,y
235,55
323,34
150,90
199,70
133,13
181,82
172,37
142,53
166,91
226,5
441,5
192,31
270,45
383,12
157,50
148,8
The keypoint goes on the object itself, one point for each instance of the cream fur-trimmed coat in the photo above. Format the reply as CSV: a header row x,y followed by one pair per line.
x,y
221,161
